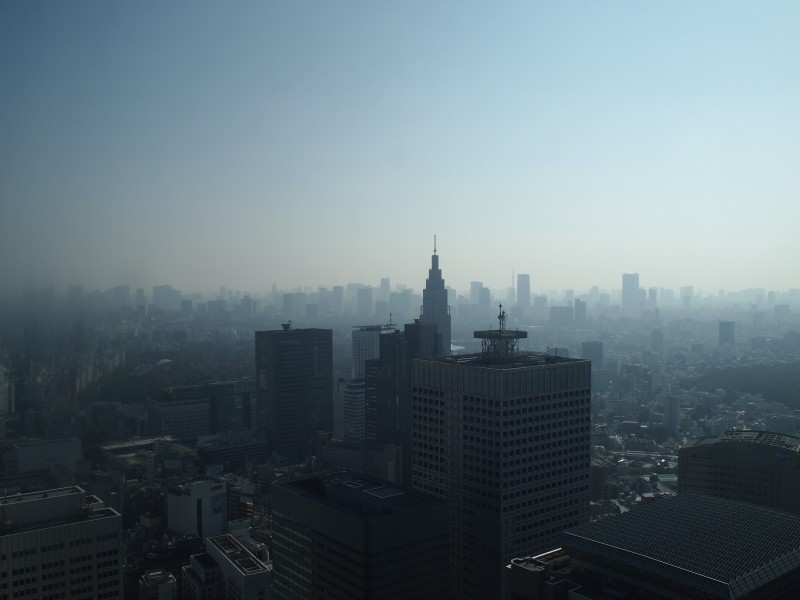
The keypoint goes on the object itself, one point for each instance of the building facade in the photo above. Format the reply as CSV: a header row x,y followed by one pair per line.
x,y
59,543
503,436
348,536
294,387
198,507
226,571
761,467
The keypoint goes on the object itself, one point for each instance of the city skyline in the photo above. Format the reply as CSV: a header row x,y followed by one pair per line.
x,y
310,143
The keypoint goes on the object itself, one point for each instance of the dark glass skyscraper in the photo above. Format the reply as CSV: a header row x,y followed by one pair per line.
x,y
294,387
434,305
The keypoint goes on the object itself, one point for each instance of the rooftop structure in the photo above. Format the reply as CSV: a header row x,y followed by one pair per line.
x,y
356,494
500,343
158,584
237,555
696,545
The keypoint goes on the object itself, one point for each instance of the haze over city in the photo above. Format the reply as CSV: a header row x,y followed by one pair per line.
x,y
202,144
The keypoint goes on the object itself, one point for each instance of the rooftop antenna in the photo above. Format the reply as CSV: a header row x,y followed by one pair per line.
x,y
390,319
434,243
501,317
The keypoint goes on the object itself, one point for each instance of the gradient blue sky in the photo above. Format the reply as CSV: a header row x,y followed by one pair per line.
x,y
304,143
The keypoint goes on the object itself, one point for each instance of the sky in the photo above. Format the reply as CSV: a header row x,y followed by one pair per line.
x,y
315,143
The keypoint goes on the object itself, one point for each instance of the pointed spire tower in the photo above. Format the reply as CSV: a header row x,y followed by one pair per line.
x,y
434,305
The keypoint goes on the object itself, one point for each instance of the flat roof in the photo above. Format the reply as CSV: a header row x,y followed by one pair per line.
x,y
42,494
716,546
237,554
79,516
761,438
359,494
507,361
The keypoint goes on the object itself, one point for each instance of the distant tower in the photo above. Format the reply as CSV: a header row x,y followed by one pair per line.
x,y
593,351
523,290
434,304
630,294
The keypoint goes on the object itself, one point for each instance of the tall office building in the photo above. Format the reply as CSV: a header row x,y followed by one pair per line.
x,y
504,437
364,304
631,298
366,345
580,312
345,535
385,289
434,305
294,387
761,467
354,409
523,290
388,388
59,543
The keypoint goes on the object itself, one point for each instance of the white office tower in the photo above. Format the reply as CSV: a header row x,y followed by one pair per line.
x,y
198,507
59,543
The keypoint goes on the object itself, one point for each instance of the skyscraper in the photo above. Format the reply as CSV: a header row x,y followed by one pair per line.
x,y
523,290
631,304
504,437
366,345
434,305
294,387
388,388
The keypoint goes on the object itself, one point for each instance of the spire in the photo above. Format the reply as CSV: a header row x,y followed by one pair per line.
x,y
434,243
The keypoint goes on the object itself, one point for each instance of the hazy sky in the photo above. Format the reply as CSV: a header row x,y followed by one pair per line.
x,y
242,144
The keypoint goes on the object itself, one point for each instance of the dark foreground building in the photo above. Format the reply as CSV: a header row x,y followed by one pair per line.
x,y
348,536
689,546
503,436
